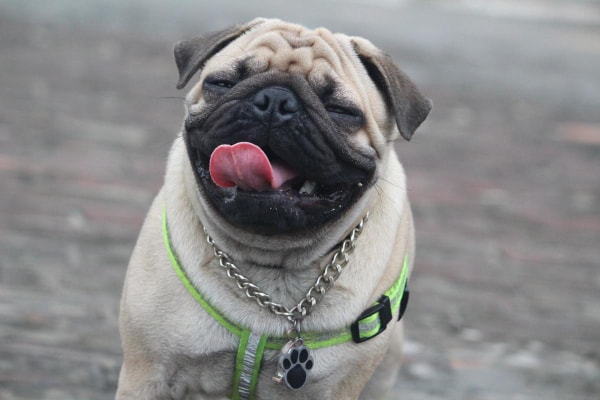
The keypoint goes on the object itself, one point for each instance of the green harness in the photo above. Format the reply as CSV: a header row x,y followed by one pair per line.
x,y
369,324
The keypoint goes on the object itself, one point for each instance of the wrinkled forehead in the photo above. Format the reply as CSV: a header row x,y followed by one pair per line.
x,y
314,54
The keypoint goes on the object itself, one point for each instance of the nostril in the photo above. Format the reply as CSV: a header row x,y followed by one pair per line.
x,y
288,106
261,101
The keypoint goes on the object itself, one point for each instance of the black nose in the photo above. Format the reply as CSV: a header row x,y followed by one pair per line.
x,y
275,104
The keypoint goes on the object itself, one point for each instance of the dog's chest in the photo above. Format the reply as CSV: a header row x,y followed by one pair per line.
x,y
209,376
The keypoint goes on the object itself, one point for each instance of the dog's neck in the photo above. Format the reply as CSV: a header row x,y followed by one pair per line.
x,y
297,253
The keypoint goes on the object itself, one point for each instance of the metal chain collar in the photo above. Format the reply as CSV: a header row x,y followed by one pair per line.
x,y
322,284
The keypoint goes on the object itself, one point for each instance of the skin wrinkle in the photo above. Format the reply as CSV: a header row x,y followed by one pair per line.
x,y
284,41
345,60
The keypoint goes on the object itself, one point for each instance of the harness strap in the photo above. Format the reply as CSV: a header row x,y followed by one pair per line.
x,y
368,325
374,319
247,365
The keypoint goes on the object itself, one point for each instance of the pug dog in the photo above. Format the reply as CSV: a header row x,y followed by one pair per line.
x,y
257,260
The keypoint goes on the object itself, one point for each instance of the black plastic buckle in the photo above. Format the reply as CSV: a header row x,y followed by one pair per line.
x,y
382,308
403,303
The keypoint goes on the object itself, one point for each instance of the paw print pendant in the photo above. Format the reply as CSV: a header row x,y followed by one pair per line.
x,y
294,365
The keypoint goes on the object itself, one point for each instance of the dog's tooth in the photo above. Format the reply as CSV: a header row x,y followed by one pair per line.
x,y
308,187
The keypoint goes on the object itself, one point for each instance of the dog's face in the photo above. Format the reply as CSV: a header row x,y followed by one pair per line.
x,y
287,127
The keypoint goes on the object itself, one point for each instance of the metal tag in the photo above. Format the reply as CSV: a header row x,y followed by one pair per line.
x,y
294,363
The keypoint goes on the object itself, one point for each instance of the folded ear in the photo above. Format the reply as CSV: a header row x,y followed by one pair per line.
x,y
191,55
410,107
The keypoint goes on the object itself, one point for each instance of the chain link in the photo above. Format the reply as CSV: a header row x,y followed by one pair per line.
x,y
315,293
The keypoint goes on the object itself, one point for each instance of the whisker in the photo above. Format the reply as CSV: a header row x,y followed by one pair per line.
x,y
171,97
379,191
227,56
382,192
242,49
390,182
397,140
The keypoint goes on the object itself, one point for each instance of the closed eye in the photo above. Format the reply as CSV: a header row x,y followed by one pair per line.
x,y
350,118
222,83
214,85
340,110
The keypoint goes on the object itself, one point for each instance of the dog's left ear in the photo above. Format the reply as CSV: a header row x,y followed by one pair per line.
x,y
191,55
409,106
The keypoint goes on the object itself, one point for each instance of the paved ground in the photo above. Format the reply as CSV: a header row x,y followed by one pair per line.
x,y
504,179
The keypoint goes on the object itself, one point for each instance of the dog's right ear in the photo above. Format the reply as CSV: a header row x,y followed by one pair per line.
x,y
191,55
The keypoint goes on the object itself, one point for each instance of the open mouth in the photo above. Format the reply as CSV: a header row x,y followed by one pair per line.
x,y
252,186
247,166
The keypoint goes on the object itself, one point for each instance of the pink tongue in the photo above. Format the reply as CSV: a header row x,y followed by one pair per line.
x,y
247,166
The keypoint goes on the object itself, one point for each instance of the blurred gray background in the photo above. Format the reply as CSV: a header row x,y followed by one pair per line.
x,y
504,179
